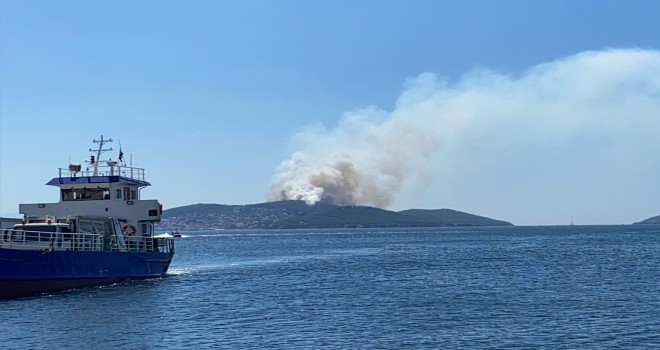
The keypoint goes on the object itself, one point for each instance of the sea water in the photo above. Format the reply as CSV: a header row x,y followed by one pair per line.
x,y
573,287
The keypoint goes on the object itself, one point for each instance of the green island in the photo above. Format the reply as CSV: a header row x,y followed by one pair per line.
x,y
297,214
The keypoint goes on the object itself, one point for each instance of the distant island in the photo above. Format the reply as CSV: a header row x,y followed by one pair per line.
x,y
297,214
650,221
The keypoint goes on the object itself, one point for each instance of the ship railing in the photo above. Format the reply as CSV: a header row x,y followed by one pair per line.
x,y
105,170
49,241
149,244
65,241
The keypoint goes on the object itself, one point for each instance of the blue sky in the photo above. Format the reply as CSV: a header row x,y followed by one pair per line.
x,y
525,111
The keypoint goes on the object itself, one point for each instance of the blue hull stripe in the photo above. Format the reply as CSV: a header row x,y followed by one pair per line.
x,y
25,272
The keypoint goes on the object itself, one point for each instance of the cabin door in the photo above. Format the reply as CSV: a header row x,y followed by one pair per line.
x,y
145,228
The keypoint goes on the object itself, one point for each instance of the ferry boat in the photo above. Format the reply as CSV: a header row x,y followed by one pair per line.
x,y
100,232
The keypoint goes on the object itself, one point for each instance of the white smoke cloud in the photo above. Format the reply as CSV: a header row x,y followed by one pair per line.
x,y
363,161
575,109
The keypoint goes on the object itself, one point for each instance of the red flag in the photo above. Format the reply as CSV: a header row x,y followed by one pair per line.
x,y
121,155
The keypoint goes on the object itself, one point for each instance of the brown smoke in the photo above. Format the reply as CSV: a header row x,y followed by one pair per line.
x,y
363,162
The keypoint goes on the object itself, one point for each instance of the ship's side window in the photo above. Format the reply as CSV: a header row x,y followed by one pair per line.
x,y
133,194
127,193
118,193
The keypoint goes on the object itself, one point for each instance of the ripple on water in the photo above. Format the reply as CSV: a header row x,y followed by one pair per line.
x,y
472,288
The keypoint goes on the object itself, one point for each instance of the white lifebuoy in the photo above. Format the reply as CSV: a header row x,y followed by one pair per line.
x,y
128,230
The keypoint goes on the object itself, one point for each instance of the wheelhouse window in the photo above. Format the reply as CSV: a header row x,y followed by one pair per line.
x,y
77,194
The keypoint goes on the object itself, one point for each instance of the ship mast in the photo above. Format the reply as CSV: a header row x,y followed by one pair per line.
x,y
101,142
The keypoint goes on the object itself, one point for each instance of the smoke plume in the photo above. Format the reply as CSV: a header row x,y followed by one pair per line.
x,y
485,120
363,161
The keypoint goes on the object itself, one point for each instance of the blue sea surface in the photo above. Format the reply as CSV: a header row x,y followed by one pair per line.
x,y
572,287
